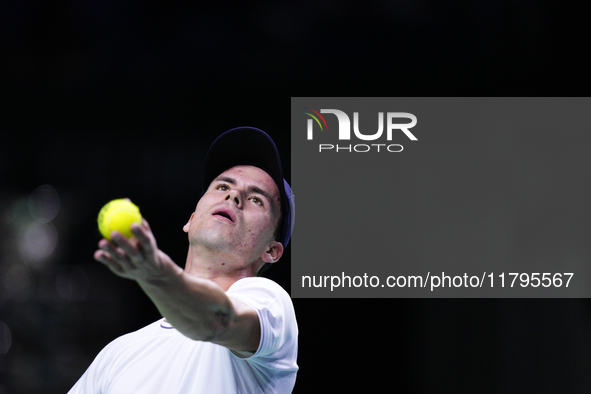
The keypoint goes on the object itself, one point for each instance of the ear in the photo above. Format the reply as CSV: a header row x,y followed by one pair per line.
x,y
186,226
273,252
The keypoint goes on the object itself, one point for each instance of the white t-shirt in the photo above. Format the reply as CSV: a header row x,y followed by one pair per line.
x,y
159,359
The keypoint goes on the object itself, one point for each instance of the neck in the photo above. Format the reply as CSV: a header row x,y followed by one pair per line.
x,y
221,268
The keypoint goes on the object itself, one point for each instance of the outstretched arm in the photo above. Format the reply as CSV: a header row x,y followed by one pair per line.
x,y
196,307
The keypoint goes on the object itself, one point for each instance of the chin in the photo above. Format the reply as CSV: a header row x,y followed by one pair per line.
x,y
212,240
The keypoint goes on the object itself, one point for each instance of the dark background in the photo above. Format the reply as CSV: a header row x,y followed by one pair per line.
x,y
106,99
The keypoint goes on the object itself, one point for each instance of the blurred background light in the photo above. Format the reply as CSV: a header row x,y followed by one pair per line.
x,y
5,338
44,203
37,241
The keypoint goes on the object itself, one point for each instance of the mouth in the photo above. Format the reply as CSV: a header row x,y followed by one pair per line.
x,y
225,214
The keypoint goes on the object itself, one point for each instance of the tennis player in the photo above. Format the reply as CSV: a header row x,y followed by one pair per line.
x,y
225,329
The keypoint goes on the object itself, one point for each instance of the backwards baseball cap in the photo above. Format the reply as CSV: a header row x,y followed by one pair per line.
x,y
250,146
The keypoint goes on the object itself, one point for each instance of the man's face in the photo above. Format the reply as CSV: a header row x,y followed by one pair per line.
x,y
238,214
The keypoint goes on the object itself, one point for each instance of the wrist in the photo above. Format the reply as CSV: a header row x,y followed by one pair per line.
x,y
167,272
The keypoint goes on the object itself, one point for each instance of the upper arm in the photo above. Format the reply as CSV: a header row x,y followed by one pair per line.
x,y
243,330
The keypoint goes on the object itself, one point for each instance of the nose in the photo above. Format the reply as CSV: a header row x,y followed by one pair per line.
x,y
234,196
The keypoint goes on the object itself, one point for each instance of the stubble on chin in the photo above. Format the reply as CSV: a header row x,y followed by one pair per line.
x,y
212,240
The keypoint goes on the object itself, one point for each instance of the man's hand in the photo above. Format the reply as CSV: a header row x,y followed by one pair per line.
x,y
137,258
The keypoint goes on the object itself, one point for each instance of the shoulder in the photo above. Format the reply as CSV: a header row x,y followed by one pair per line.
x,y
259,291
255,282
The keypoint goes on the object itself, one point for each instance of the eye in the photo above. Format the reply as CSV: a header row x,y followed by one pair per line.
x,y
222,187
256,200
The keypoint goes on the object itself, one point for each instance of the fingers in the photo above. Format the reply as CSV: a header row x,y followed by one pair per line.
x,y
117,252
145,224
126,249
144,237
131,258
103,257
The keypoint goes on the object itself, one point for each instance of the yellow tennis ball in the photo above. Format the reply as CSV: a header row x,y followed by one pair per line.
x,y
118,215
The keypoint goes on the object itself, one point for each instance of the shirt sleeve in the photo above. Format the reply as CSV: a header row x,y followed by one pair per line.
x,y
276,315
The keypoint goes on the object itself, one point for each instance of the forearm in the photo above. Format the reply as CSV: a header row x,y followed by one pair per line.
x,y
196,307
